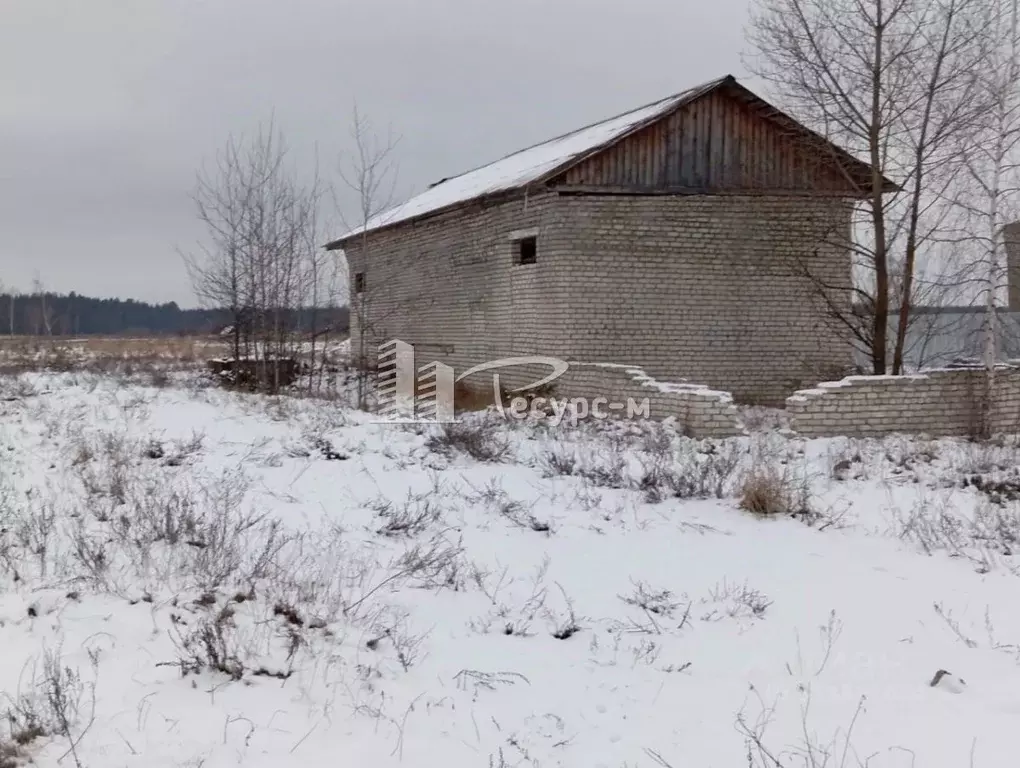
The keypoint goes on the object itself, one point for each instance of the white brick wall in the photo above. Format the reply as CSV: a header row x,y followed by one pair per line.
x,y
944,402
706,289
701,412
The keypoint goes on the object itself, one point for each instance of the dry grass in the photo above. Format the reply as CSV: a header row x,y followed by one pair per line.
x,y
32,348
765,493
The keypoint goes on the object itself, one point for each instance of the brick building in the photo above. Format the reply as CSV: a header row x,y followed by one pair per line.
x,y
686,237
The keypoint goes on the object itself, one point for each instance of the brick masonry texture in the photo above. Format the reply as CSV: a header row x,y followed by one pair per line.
x,y
701,289
942,402
699,411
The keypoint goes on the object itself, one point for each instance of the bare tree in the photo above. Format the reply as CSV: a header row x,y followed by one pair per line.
x,y
370,173
263,228
986,198
320,286
892,80
44,317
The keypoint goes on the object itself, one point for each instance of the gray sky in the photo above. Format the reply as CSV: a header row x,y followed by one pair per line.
x,y
108,107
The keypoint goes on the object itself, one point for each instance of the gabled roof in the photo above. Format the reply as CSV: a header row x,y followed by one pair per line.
x,y
548,159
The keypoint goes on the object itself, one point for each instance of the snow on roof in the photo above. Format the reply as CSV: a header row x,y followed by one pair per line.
x,y
520,168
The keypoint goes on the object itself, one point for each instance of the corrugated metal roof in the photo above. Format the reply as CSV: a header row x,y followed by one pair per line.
x,y
528,165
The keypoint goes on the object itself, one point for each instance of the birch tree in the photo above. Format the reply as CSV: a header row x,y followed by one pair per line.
x,y
988,194
262,242
892,81
369,172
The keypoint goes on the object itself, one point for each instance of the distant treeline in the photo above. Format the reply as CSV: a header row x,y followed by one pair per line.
x,y
53,314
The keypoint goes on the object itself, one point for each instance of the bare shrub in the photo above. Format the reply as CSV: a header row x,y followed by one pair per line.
x,y
515,617
211,645
411,517
661,602
172,535
986,456
16,386
604,468
34,532
764,492
89,552
560,460
997,526
910,454
565,623
181,450
657,605
696,470
735,601
772,486
435,564
495,497
935,525
483,439
52,705
396,629
810,753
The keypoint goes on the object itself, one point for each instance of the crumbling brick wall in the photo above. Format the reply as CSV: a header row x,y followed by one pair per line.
x,y
942,402
698,411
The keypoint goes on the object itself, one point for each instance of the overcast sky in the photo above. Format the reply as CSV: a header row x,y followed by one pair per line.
x,y
108,107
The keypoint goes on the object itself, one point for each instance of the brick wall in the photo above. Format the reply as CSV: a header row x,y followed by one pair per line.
x,y
706,289
448,286
709,289
699,411
942,402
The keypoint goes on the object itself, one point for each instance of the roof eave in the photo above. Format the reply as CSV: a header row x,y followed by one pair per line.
x,y
503,194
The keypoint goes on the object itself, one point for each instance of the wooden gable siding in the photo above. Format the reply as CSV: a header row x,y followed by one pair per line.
x,y
715,143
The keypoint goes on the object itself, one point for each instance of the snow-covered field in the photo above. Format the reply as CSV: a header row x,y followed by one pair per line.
x,y
192,577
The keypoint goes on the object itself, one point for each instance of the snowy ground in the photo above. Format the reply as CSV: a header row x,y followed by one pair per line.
x,y
190,577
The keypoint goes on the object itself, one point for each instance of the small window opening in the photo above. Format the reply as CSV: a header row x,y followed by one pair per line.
x,y
359,282
526,250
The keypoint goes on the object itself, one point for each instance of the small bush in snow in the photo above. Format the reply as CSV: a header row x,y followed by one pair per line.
x,y
483,439
776,483
735,601
764,492
661,602
51,707
908,453
436,564
565,623
935,525
211,645
410,517
494,497
694,471
770,491
606,468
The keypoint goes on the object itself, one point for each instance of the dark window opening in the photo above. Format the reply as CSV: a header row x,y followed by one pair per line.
x,y
359,282
526,250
